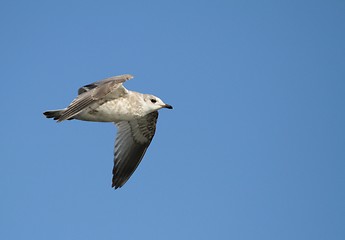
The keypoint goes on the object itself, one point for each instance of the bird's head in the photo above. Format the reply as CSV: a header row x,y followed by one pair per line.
x,y
154,103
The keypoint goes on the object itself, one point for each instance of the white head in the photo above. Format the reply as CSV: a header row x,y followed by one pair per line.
x,y
154,103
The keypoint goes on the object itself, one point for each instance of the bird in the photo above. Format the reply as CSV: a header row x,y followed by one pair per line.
x,y
135,115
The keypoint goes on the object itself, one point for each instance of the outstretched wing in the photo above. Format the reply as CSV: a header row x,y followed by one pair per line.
x,y
109,88
120,78
132,141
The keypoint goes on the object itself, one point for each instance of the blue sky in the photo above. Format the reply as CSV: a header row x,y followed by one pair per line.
x,y
254,148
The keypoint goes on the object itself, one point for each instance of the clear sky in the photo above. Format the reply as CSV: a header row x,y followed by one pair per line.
x,y
253,149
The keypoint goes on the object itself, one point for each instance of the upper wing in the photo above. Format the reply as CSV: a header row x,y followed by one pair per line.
x,y
132,141
108,88
120,78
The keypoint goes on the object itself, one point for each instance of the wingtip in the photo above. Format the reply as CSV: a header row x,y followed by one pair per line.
x,y
113,185
128,76
125,77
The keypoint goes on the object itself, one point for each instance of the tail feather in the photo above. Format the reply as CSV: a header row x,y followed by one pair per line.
x,y
55,114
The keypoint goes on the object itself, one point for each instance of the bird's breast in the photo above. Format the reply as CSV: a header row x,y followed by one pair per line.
x,y
110,111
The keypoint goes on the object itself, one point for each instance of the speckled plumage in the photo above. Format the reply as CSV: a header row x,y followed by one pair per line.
x,y
135,114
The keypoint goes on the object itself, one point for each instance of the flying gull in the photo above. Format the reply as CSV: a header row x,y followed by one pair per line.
x,y
135,115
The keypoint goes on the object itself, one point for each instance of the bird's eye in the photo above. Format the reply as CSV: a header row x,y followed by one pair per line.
x,y
153,100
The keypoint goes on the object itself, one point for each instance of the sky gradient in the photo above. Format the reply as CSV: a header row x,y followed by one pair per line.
x,y
253,149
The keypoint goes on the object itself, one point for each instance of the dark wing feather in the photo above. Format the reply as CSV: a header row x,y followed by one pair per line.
x,y
132,141
94,92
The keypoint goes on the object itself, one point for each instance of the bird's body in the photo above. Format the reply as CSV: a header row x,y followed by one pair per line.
x,y
114,110
135,115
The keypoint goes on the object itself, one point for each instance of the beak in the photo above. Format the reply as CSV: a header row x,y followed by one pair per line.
x,y
167,106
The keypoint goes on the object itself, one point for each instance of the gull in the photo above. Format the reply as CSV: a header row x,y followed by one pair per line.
x,y
135,115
